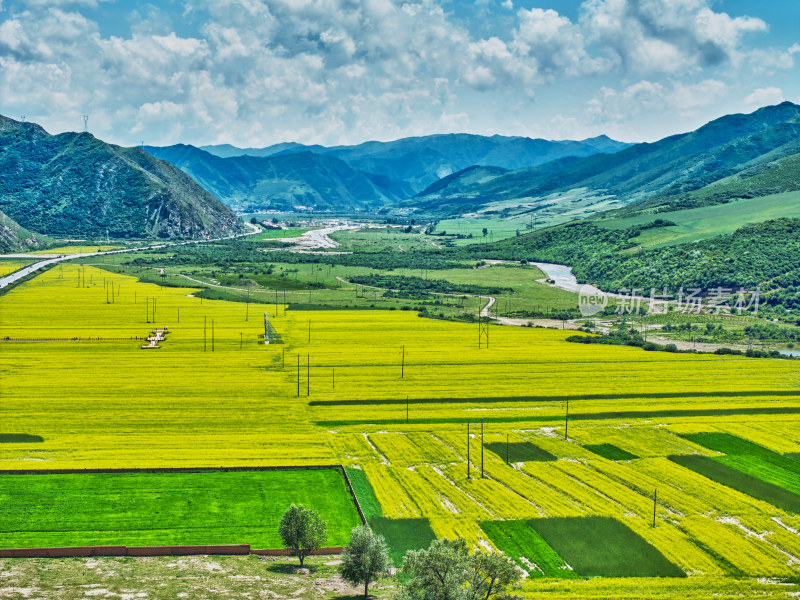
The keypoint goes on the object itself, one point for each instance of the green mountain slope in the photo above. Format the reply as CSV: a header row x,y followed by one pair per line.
x,y
675,165
283,182
693,224
75,184
766,178
14,238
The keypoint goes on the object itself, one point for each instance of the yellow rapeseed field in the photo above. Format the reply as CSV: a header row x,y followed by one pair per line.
x,y
391,393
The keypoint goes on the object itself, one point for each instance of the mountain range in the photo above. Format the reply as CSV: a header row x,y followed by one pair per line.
x,y
669,168
366,176
304,180
74,184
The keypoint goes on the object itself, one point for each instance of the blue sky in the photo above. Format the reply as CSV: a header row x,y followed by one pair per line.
x,y
258,72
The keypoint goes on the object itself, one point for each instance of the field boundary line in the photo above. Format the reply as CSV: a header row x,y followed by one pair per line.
x,y
194,550
169,470
353,495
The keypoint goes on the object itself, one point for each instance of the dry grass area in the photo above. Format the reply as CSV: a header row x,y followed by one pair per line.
x,y
186,578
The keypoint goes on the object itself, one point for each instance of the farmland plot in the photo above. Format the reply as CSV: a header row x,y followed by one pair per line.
x,y
388,394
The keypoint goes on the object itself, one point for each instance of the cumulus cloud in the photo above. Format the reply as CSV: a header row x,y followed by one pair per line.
x,y
666,35
611,109
553,43
764,97
771,60
254,72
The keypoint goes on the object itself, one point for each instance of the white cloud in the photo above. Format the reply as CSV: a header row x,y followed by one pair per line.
x,y
553,43
771,60
650,105
51,3
764,97
253,72
666,35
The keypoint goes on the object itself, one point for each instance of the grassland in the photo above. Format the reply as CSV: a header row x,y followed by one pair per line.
x,y
188,577
271,234
179,508
241,402
235,577
696,224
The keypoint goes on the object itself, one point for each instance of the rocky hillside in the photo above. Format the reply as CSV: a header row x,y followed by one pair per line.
x,y
14,238
75,184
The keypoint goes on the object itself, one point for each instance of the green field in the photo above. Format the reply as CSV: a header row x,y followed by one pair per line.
x,y
696,224
741,481
364,492
402,535
602,546
752,459
610,451
520,542
272,234
519,452
163,509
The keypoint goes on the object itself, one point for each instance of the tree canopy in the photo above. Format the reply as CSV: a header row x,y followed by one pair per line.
x,y
447,571
302,531
365,558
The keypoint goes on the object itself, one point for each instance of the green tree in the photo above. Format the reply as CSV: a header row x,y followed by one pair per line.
x,y
365,558
447,571
302,531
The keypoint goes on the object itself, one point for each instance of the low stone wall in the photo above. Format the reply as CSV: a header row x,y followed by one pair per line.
x,y
285,552
85,551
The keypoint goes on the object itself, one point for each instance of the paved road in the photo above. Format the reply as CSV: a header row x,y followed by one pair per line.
x,y
25,271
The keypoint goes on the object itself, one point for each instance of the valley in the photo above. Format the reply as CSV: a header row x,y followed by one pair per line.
x,y
415,355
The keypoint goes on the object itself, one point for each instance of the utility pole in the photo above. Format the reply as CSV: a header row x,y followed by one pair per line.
x,y
468,449
655,499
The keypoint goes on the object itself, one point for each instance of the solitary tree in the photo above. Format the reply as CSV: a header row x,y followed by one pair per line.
x,y
447,571
365,558
302,531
